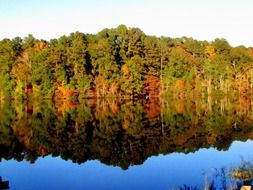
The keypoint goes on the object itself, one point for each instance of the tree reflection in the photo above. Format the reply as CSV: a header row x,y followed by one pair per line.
x,y
119,132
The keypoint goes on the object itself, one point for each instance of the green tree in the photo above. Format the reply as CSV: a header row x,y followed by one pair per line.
x,y
76,62
42,75
132,76
152,52
7,58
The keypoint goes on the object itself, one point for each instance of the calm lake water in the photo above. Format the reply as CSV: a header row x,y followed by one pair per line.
x,y
108,144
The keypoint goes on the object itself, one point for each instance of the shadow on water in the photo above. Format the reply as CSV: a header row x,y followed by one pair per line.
x,y
120,133
4,184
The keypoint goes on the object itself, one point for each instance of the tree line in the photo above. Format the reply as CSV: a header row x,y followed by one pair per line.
x,y
122,62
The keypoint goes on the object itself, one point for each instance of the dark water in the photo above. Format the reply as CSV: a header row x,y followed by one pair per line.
x,y
108,144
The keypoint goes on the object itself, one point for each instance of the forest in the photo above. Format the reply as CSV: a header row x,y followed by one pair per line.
x,y
122,62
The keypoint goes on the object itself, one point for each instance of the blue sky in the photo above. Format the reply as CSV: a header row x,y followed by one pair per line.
x,y
204,20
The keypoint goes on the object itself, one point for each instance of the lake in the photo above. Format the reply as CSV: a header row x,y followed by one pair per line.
x,y
125,144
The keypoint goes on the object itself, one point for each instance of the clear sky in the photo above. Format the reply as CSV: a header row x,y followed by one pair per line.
x,y
200,19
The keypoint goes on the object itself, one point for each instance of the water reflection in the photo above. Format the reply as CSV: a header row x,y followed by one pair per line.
x,y
120,133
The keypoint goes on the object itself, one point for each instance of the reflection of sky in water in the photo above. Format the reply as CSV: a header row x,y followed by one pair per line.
x,y
158,172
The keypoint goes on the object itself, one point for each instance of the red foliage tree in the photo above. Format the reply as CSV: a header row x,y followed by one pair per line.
x,y
151,86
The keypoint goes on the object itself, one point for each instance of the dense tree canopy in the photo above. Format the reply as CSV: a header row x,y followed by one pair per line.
x,y
122,62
